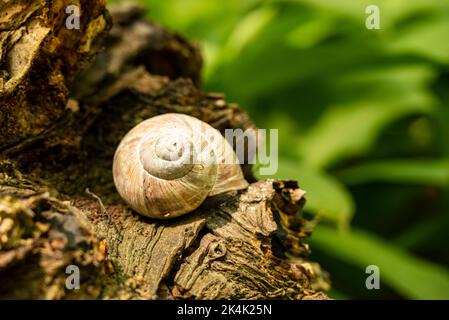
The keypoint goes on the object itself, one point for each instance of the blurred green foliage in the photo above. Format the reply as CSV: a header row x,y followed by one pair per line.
x,y
363,119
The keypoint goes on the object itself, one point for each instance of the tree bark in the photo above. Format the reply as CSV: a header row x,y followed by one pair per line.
x,y
67,97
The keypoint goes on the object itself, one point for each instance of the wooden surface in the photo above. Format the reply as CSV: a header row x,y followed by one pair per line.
x,y
63,112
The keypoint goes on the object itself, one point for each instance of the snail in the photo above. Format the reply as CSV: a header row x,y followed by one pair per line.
x,y
168,165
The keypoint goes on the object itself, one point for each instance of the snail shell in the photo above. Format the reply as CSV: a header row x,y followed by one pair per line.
x,y
167,165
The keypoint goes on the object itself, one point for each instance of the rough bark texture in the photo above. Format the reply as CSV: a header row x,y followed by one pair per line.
x,y
64,106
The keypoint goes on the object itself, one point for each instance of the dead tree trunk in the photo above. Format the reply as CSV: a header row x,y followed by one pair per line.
x,y
64,106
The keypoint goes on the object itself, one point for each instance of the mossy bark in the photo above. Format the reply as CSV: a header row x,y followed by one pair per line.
x,y
67,97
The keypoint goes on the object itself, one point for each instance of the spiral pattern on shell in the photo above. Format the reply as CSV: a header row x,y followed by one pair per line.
x,y
167,165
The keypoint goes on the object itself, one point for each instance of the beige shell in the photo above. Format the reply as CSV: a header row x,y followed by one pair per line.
x,y
167,165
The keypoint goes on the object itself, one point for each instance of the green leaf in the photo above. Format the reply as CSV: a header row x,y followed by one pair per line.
x,y
247,29
242,35
434,172
326,197
349,130
425,38
390,11
430,232
245,79
310,33
410,276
